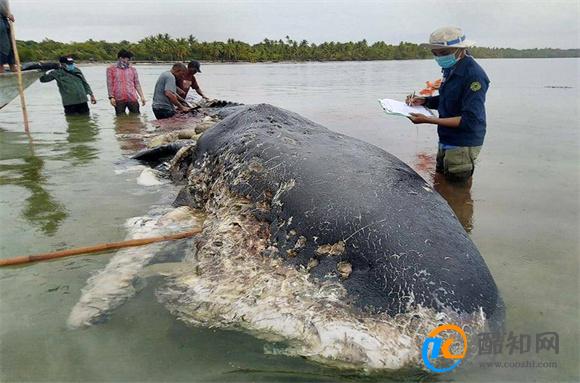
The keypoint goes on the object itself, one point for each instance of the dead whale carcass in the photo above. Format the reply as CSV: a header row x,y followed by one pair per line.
x,y
370,245
324,241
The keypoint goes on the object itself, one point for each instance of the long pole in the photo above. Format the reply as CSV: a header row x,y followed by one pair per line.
x,y
96,248
19,74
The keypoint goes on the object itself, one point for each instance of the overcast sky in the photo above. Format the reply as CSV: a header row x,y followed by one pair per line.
x,y
505,23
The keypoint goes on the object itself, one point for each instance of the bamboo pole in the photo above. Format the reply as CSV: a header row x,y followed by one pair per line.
x,y
19,74
96,248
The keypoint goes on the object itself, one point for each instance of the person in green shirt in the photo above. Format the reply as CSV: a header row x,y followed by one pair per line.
x,y
72,85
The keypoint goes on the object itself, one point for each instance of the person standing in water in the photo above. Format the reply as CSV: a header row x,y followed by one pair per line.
x,y
165,98
6,48
72,85
190,82
461,124
123,85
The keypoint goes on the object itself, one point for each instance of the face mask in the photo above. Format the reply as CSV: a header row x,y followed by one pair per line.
x,y
122,65
70,66
446,61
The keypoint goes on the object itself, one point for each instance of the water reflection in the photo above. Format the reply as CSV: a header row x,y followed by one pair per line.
x,y
129,131
82,130
41,209
458,196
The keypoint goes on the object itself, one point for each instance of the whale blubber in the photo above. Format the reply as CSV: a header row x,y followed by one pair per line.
x,y
334,249
344,268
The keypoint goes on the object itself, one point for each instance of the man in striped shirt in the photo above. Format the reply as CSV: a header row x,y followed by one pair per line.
x,y
123,85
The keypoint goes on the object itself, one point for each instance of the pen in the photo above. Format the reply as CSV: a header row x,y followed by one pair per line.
x,y
411,97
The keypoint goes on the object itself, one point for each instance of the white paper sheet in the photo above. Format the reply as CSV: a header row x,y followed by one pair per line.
x,y
399,108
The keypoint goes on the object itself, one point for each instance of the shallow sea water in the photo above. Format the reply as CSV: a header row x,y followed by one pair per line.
x,y
73,186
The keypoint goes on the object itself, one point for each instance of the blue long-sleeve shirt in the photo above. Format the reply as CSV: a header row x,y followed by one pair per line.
x,y
462,94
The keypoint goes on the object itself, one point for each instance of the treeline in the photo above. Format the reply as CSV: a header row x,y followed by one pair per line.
x,y
163,47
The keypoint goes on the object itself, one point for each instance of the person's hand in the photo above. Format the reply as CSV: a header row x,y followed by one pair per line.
x,y
143,102
417,118
183,109
11,17
112,101
415,101
93,99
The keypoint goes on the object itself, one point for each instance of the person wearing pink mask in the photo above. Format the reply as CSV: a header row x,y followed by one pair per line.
x,y
123,85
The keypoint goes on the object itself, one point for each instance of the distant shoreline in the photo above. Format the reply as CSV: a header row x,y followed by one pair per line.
x,y
142,62
163,48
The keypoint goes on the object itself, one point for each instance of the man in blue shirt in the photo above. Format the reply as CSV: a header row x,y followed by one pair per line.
x,y
461,104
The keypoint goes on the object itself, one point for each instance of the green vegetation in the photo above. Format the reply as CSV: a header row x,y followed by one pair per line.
x,y
163,47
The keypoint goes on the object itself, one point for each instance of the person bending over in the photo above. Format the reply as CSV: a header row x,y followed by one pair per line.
x,y
72,85
190,82
165,98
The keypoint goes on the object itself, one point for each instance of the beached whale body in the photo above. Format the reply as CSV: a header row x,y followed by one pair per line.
x,y
325,241
318,239
333,198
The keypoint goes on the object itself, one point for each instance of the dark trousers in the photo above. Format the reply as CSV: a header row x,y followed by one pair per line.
x,y
121,106
160,114
6,57
76,109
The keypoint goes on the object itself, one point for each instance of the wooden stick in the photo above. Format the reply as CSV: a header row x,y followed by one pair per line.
x,y
96,248
19,74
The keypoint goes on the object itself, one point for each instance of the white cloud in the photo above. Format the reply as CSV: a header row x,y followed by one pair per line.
x,y
511,23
